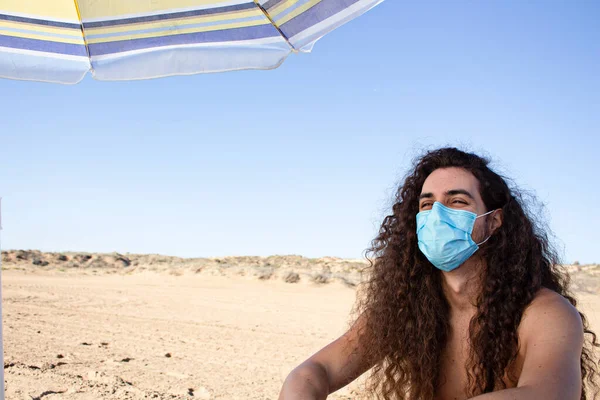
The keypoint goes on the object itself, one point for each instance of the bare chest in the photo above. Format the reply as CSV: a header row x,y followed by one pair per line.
x,y
453,380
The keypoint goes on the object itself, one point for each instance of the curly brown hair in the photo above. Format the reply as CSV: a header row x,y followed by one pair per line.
x,y
407,314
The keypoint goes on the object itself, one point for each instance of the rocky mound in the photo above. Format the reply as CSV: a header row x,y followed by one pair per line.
x,y
290,268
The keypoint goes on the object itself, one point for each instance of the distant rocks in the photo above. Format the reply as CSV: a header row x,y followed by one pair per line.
x,y
65,260
125,262
290,269
291,277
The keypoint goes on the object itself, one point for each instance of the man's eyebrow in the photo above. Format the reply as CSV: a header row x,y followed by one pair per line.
x,y
459,191
425,196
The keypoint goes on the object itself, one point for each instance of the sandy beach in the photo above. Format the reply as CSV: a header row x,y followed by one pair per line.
x,y
116,334
162,337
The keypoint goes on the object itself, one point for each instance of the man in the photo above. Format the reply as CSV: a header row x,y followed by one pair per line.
x,y
464,300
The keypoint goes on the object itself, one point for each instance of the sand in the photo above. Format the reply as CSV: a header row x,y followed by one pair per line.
x,y
162,337
76,333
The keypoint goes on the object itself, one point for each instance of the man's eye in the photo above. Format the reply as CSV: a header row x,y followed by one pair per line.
x,y
425,205
458,201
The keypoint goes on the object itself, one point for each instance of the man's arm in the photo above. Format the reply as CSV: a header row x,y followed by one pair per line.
x,y
330,369
552,333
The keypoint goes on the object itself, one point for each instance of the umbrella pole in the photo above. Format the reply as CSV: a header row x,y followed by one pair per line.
x,y
1,337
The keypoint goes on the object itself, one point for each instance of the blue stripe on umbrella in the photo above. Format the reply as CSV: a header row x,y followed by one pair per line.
x,y
40,22
176,15
318,13
43,45
229,35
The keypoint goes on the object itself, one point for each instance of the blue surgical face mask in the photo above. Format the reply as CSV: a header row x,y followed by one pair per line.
x,y
444,235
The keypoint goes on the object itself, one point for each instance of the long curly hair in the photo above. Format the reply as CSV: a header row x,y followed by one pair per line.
x,y
407,314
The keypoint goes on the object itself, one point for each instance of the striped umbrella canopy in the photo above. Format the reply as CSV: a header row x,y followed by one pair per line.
x,y
61,40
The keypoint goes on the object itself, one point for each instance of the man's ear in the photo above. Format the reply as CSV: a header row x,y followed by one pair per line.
x,y
497,218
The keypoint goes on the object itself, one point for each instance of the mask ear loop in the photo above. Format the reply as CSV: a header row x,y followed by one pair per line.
x,y
483,215
488,238
489,212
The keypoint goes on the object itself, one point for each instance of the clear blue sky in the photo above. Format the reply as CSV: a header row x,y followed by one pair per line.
x,y
304,159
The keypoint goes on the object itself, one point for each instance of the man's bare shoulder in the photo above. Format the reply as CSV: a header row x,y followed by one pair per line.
x,y
551,341
550,314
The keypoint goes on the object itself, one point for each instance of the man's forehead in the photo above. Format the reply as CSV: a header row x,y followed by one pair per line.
x,y
448,179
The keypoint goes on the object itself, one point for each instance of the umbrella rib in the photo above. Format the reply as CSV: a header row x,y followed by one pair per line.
x,y
87,50
275,25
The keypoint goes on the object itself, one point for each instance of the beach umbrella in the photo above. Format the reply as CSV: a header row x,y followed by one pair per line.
x,y
61,40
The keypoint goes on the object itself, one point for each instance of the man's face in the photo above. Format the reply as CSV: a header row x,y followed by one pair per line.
x,y
459,189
